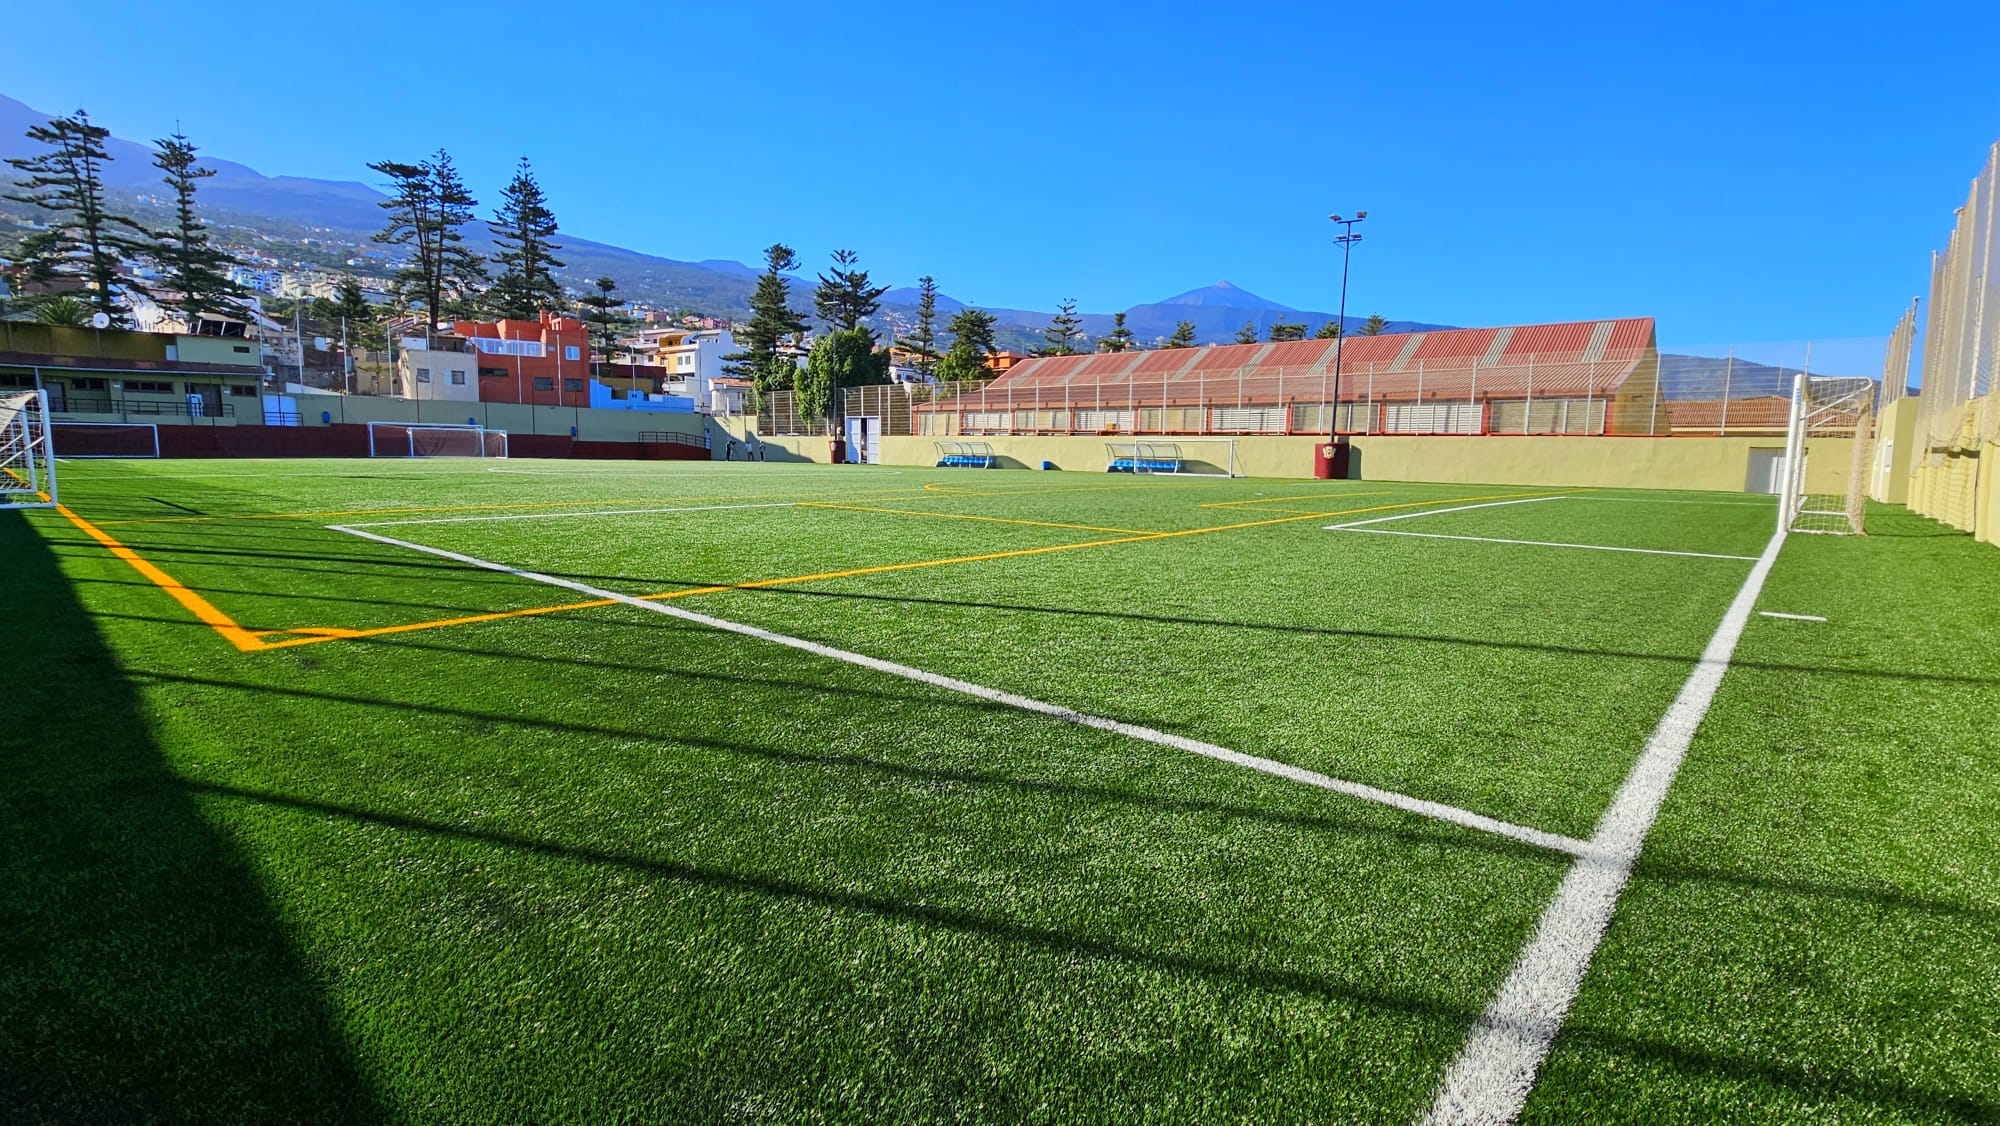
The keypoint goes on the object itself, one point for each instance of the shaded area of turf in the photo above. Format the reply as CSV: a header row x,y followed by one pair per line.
x,y
142,974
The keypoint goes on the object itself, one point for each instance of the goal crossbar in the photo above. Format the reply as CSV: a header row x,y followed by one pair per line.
x,y
435,439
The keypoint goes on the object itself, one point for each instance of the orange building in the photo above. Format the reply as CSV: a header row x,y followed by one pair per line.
x,y
545,362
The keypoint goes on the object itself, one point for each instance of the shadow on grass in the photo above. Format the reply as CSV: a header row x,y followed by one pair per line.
x,y
142,975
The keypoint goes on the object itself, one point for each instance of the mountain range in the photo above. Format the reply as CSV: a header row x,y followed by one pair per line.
x,y
289,208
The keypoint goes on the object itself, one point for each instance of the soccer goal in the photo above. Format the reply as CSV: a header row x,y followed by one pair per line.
x,y
434,439
106,439
1188,457
1827,495
27,451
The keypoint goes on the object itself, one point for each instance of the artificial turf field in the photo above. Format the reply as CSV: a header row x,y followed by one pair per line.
x,y
309,826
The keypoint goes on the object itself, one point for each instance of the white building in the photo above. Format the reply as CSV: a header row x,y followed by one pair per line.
x,y
445,369
692,359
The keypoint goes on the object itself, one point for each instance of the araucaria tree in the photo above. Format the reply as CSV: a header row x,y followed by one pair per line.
x,y
1248,333
772,323
350,305
1328,331
601,315
922,344
85,239
1183,336
427,205
199,269
844,298
1374,325
524,230
971,342
1065,329
1119,338
1283,330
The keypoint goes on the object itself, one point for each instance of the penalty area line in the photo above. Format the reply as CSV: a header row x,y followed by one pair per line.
x,y
1544,543
1438,811
1442,511
1495,1071
563,515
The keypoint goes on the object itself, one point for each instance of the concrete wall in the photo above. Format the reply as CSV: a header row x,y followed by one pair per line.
x,y
1717,464
515,418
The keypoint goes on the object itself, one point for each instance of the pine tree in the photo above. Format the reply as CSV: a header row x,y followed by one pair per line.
x,y
350,304
923,343
1119,338
1248,333
523,229
1374,326
86,238
1183,336
974,329
1328,331
772,323
1283,330
844,298
200,270
1065,329
601,316
427,205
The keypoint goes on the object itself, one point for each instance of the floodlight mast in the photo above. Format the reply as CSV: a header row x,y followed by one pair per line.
x,y
1347,238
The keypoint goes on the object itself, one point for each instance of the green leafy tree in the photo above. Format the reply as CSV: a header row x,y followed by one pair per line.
x,y
963,363
199,268
922,344
1328,331
973,328
1374,325
602,317
772,324
844,298
1119,338
427,206
85,239
1248,333
838,360
524,230
1183,336
1283,330
1065,329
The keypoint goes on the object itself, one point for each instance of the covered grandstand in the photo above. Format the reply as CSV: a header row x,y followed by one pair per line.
x,y
1583,377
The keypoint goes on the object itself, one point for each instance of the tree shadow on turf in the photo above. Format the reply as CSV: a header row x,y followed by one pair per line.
x,y
142,974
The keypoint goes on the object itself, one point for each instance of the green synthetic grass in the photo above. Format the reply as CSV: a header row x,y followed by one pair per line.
x,y
605,864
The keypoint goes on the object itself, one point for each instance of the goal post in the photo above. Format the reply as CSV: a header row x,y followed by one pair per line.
x,y
27,451
434,439
106,439
1186,457
1827,495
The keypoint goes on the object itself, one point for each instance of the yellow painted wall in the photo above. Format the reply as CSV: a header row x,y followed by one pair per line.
x,y
515,418
1718,464
1953,480
1895,435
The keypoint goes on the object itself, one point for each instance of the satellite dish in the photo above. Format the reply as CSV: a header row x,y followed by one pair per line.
x,y
100,320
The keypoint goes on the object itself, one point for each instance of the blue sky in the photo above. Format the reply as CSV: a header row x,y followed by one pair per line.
x,y
1742,172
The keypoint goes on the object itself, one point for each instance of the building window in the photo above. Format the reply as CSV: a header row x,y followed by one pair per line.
x,y
684,362
493,373
242,390
545,383
148,387
243,348
423,375
89,384
457,378
572,384
17,381
570,352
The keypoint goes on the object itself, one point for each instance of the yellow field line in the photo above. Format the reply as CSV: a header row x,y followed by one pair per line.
x,y
965,516
201,608
875,570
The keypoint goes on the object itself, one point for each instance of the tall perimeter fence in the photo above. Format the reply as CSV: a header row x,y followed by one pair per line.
x,y
1954,478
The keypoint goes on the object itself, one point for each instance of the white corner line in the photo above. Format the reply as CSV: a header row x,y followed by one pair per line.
x,y
1790,617
1544,543
559,515
1494,1073
1438,512
1438,811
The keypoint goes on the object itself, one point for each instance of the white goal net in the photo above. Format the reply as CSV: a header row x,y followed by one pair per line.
x,y
1828,440
425,439
1190,457
27,451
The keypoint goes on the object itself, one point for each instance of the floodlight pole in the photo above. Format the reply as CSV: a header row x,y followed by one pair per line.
x,y
1347,238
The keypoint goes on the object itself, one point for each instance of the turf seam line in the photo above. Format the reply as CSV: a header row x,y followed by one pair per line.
x,y
1435,810
1495,1070
1791,617
562,515
1545,543
1441,512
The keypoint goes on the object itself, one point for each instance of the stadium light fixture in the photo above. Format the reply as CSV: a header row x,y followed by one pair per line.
x,y
1347,238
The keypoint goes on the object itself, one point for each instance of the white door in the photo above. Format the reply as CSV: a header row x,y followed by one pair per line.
x,y
1767,471
861,434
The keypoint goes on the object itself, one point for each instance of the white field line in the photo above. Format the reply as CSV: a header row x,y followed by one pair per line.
x,y
561,515
1437,512
1495,1071
1790,617
1555,842
1545,543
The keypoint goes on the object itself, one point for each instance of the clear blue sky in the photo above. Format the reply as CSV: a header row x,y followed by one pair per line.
x,y
1740,171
